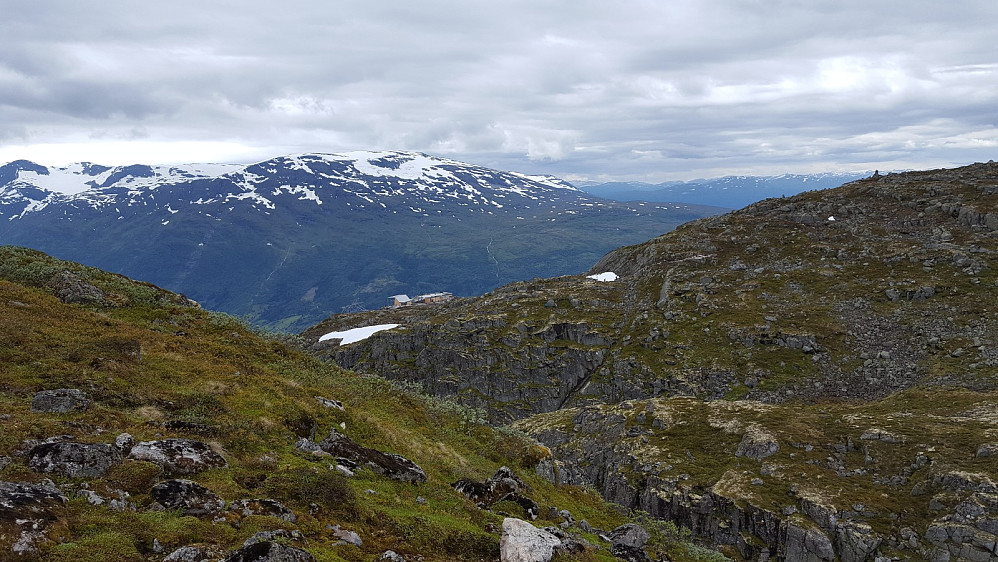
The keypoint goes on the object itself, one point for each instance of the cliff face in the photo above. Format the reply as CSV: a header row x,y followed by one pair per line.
x,y
856,292
825,482
839,349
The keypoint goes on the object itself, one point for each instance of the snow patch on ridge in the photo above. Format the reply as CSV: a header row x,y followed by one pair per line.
x,y
604,277
357,334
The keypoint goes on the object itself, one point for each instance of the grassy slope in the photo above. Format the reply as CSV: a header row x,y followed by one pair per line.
x,y
252,393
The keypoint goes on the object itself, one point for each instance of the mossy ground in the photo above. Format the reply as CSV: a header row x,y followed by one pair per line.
x,y
250,397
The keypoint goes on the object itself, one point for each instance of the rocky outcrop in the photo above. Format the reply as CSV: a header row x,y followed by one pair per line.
x,y
347,536
267,551
637,454
26,511
60,401
70,288
504,485
627,542
391,465
757,444
189,497
629,534
194,554
179,456
78,460
267,507
515,370
23,500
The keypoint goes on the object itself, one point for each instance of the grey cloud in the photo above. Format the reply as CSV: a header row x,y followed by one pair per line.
x,y
634,89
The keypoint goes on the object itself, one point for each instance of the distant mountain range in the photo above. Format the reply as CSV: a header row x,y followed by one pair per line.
x,y
287,241
729,191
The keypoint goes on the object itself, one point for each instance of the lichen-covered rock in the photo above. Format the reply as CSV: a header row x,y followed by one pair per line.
x,y
500,484
267,507
987,450
877,434
330,403
391,465
808,545
180,456
194,553
22,500
268,551
60,401
629,553
189,497
391,556
70,289
757,444
347,536
504,485
630,534
856,541
522,542
78,460
26,511
263,536
124,443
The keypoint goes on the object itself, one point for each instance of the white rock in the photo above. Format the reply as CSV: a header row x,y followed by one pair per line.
x,y
522,542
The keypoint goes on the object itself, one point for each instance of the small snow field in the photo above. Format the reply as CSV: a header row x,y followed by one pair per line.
x,y
357,334
604,277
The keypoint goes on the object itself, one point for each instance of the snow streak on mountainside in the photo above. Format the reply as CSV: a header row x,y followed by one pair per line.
x,y
371,178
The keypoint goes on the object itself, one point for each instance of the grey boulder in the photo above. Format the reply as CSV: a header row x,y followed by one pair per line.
x,y
60,401
267,507
268,551
23,500
390,465
522,542
78,460
189,497
180,456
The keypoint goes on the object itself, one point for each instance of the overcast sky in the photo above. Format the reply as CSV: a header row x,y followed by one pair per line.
x,y
641,90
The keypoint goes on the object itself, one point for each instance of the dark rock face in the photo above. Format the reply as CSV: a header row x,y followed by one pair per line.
x,y
500,484
60,401
270,552
268,507
180,456
504,485
516,368
78,460
190,497
21,500
391,465
70,288
629,534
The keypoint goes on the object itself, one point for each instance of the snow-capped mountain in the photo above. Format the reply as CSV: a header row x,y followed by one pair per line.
x,y
293,238
368,178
